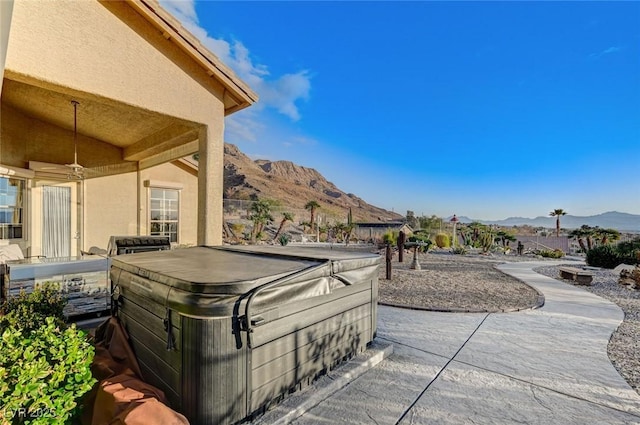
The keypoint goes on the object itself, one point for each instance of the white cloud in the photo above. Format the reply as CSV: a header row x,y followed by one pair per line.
x,y
243,126
607,51
280,93
285,91
612,49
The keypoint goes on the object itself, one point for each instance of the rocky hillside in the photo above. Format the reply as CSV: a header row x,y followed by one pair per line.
x,y
293,186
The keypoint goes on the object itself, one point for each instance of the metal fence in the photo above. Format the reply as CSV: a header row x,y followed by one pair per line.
x,y
237,210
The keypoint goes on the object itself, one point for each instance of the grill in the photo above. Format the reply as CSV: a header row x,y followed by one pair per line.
x,y
119,245
83,281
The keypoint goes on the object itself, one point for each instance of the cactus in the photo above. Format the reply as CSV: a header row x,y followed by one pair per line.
x,y
486,241
442,240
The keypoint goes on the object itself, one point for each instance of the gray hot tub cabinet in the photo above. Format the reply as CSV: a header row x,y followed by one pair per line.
x,y
225,332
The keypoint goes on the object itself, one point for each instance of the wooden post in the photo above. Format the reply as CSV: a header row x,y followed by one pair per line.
x,y
401,240
388,255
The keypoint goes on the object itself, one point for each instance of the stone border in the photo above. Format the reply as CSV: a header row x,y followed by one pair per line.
x,y
539,303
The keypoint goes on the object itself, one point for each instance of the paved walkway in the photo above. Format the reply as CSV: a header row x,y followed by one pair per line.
x,y
545,366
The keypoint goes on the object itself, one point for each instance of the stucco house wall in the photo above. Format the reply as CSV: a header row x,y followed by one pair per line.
x,y
149,93
122,217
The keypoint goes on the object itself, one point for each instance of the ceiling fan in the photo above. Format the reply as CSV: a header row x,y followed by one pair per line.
x,y
77,170
73,171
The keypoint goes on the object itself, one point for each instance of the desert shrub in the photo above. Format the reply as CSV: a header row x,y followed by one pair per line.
x,y
238,228
460,250
28,311
44,365
442,240
44,373
629,251
284,239
609,257
390,237
421,238
556,253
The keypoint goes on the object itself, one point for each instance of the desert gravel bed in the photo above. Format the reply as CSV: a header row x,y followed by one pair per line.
x,y
450,282
624,346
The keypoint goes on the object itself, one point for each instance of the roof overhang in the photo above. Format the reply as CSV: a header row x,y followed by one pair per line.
x,y
238,95
115,136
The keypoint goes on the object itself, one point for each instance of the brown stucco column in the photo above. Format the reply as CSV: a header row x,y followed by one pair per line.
x,y
6,10
210,185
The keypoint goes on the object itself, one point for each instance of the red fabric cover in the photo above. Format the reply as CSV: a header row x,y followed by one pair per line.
x,y
122,398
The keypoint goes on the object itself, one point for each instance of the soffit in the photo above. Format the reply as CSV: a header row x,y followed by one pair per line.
x,y
120,124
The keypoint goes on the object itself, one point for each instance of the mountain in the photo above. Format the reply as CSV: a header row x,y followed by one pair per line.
x,y
613,219
293,186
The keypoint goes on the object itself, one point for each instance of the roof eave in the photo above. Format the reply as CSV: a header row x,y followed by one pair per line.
x,y
172,30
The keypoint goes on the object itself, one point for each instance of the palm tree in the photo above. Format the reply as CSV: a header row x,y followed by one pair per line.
x,y
312,206
608,235
505,238
260,215
286,216
557,213
590,232
579,234
342,232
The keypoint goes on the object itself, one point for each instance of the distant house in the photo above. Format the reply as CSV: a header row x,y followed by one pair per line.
x,y
376,230
149,94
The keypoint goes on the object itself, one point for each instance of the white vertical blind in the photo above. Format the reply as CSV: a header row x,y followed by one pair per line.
x,y
56,236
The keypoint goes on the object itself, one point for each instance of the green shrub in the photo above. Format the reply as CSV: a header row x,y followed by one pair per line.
x,y
421,238
29,311
44,365
284,239
556,253
44,373
442,240
390,237
606,256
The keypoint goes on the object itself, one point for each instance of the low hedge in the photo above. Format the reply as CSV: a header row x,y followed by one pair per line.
x,y
45,365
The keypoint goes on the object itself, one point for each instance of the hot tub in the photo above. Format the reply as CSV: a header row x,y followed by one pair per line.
x,y
225,332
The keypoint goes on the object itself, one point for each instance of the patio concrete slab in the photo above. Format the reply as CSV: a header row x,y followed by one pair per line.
x,y
436,333
464,394
381,395
546,366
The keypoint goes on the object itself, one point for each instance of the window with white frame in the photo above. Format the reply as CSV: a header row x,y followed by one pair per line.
x,y
11,208
164,214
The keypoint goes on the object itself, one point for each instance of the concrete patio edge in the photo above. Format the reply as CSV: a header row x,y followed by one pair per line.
x,y
298,404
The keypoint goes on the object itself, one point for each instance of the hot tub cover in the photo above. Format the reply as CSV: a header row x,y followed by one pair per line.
x,y
209,281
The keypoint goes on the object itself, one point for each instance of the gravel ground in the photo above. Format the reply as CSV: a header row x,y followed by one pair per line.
x,y
624,345
448,282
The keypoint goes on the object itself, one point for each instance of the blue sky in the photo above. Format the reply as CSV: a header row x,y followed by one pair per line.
x,y
482,109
